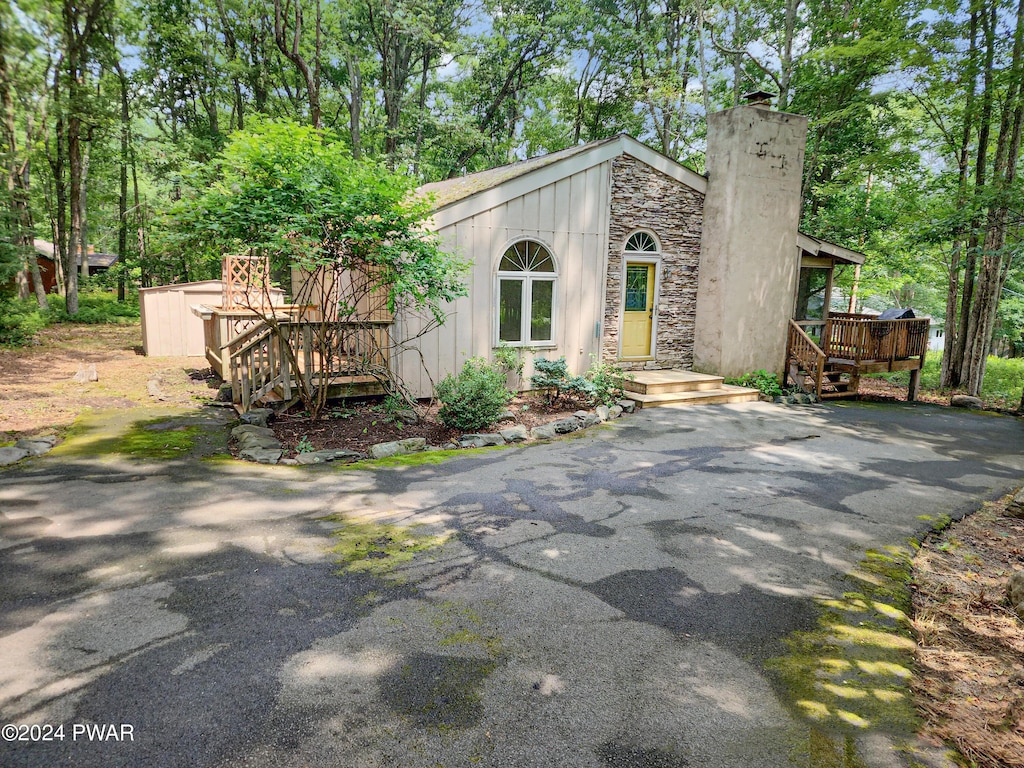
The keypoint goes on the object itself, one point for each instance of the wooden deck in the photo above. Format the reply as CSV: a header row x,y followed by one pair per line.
x,y
851,346
351,359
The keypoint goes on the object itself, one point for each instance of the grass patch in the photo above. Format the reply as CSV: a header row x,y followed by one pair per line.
x,y
21,320
378,548
1004,379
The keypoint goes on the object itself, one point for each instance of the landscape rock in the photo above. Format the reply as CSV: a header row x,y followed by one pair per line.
x,y
603,412
262,455
1016,506
516,434
224,393
407,416
36,446
614,412
450,447
258,417
626,405
11,454
566,425
505,415
251,429
588,419
321,457
86,374
965,401
481,440
1015,593
543,432
398,447
153,387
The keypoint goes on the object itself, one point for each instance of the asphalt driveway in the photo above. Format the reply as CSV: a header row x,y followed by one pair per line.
x,y
616,599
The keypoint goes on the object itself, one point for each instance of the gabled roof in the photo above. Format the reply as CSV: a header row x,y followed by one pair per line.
x,y
815,246
459,198
96,260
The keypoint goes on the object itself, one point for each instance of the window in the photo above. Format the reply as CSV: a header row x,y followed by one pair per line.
x,y
526,294
641,242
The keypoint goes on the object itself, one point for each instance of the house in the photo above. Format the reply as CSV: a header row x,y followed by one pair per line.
x,y
611,251
46,255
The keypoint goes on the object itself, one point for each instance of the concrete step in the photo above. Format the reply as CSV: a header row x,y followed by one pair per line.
x,y
720,396
659,382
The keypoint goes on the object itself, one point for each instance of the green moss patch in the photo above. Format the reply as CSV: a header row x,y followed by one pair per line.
x,y
129,433
378,548
418,459
851,672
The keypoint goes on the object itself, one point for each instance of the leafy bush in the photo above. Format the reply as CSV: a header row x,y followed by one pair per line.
x,y
602,383
94,307
608,382
552,378
474,398
19,322
767,383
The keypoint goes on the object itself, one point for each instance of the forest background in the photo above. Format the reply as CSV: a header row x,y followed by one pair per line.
x,y
115,111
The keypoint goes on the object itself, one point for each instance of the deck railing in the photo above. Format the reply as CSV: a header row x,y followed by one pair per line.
x,y
863,338
260,362
807,355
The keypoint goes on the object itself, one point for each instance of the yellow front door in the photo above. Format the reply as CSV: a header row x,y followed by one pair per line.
x,y
638,311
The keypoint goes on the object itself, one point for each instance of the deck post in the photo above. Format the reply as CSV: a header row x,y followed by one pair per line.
x,y
915,381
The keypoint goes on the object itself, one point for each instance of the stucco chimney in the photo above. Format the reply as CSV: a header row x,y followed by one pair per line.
x,y
749,262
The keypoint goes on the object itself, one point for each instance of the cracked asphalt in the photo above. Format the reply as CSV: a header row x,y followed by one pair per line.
x,y
609,600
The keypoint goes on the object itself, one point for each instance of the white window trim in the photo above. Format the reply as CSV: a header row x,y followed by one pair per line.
x,y
528,278
640,257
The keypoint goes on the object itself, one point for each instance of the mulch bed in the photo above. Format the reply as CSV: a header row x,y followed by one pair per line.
x,y
357,425
970,681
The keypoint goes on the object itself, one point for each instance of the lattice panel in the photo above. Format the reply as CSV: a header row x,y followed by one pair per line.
x,y
246,279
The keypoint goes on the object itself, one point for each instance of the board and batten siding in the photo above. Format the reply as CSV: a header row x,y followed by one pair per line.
x,y
570,216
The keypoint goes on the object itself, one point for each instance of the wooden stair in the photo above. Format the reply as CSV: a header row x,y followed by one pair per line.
x,y
671,387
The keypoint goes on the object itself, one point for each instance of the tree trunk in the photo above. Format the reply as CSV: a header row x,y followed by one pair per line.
x,y
122,198
995,260
290,49
84,217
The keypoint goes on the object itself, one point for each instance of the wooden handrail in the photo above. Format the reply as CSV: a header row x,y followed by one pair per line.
x,y
262,363
806,353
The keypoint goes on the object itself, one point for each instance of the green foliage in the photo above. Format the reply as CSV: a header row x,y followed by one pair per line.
x,y
552,378
602,383
94,307
304,445
297,194
607,382
19,322
767,383
473,399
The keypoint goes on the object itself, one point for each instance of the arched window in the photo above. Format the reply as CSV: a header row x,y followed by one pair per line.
x,y
526,294
641,242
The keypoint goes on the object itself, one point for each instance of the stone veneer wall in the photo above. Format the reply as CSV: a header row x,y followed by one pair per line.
x,y
643,198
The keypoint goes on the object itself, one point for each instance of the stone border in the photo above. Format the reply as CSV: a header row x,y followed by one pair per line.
x,y
257,441
26,448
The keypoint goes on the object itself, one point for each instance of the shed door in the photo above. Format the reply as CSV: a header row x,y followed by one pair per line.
x,y
638,311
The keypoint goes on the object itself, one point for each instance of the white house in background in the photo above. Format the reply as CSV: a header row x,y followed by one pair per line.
x,y
937,336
